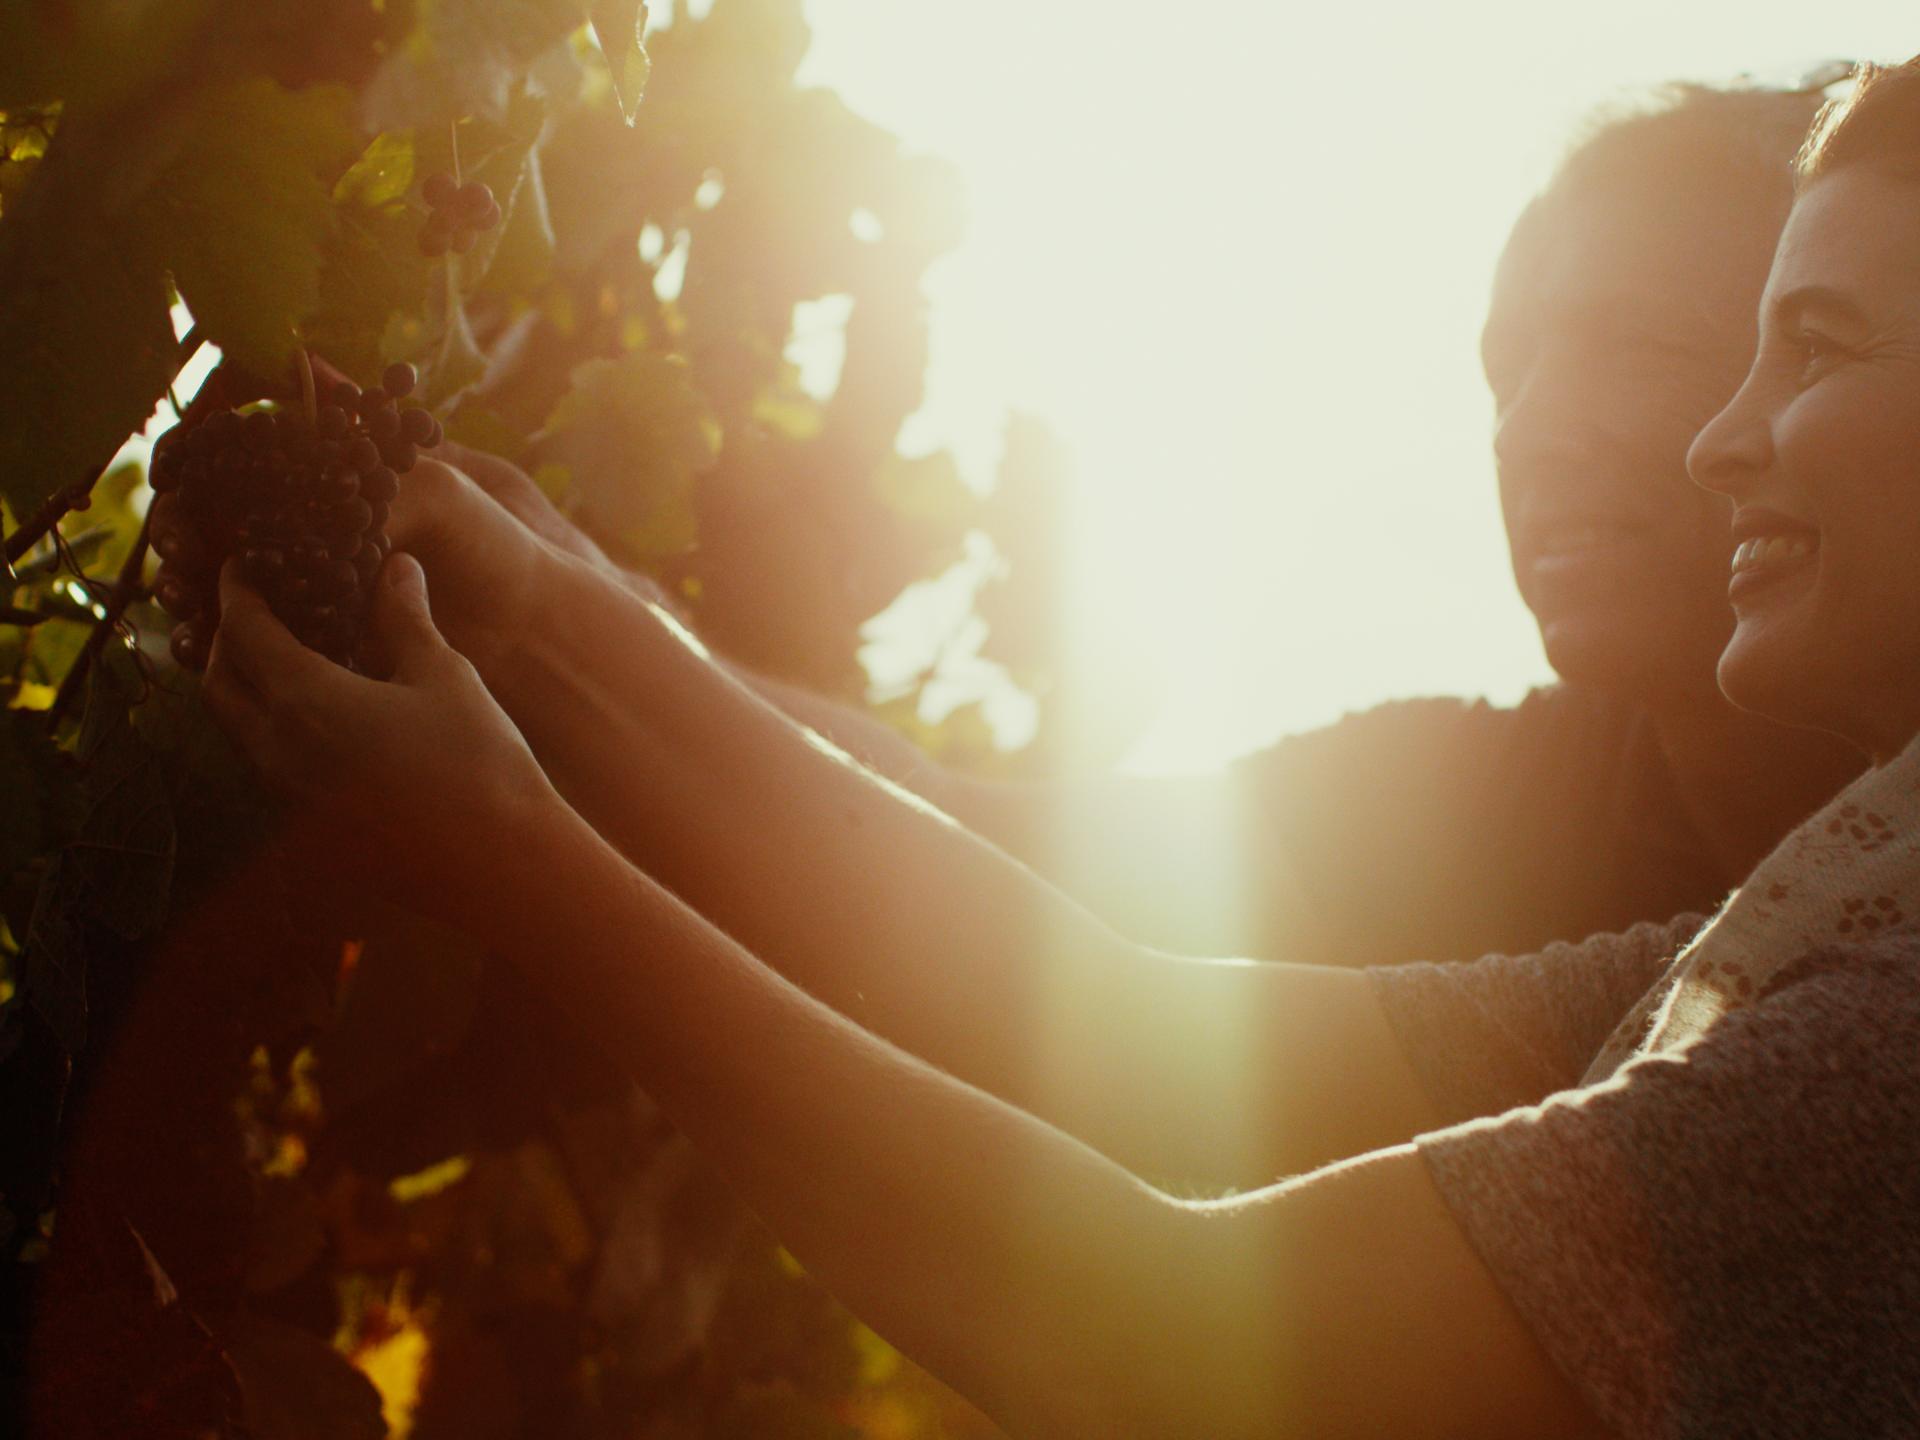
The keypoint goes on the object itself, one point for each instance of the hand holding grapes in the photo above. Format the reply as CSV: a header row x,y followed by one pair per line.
x,y
418,776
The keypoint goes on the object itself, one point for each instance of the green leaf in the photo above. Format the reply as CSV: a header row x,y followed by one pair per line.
x,y
86,350
520,257
240,216
635,433
620,27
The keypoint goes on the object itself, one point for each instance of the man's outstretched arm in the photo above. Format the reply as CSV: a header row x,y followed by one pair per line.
x,y
1180,864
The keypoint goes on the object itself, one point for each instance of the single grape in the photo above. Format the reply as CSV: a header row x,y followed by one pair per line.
x,y
190,644
416,425
399,379
437,189
384,426
258,432
184,551
178,595
471,199
379,484
264,564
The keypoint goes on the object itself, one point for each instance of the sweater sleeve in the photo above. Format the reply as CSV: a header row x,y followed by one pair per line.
x,y
1509,1030
1724,1239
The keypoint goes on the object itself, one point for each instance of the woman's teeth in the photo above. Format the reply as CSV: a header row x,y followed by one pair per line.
x,y
1769,549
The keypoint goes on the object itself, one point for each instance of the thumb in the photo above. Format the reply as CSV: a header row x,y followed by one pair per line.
x,y
402,623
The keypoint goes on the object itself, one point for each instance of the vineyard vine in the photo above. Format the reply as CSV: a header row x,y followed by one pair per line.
x,y
280,1160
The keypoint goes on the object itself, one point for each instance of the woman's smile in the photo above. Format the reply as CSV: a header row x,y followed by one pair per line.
x,y
1768,555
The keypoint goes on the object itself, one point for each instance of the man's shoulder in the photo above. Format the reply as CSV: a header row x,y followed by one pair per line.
x,y
1553,726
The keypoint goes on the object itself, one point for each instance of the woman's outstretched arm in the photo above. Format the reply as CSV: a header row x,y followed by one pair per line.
x,y
1201,1073
1058,1290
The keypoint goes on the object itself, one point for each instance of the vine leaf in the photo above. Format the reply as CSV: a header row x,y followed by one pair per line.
x,y
620,27
86,349
298,1387
634,435
440,343
466,59
240,217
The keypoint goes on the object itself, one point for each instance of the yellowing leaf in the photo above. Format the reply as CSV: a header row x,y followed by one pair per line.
x,y
381,176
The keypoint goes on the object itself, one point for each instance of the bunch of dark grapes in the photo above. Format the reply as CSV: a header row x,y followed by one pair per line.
x,y
460,213
303,504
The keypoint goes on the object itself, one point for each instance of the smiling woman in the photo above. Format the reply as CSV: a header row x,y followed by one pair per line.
x,y
1818,449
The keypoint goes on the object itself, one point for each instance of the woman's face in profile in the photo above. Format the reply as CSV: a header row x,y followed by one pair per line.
x,y
1820,453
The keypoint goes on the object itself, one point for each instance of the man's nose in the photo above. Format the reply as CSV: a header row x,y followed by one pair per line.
x,y
1544,422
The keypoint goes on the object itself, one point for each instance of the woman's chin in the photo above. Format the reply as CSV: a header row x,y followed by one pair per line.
x,y
1763,677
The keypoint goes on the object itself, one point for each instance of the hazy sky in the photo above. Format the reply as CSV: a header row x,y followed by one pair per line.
x,y
1238,253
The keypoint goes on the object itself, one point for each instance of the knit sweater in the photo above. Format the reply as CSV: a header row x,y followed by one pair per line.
x,y
1720,1240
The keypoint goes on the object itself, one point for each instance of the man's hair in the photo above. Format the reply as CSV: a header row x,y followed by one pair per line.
x,y
1680,136
1876,122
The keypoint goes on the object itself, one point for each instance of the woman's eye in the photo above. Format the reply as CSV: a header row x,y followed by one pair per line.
x,y
1816,353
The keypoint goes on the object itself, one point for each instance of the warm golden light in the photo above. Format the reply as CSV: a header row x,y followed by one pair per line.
x,y
1238,253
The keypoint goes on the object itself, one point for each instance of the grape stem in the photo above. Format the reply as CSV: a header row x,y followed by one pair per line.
x,y
36,527
305,367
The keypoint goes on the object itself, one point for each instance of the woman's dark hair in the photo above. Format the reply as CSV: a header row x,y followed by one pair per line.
x,y
1876,122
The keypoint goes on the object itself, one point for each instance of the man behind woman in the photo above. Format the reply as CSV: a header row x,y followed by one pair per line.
x,y
1688,1209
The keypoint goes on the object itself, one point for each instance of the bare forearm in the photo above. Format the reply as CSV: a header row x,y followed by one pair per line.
x,y
923,933
992,1247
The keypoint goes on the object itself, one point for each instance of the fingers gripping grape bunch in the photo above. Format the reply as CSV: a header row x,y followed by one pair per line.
x,y
302,502
460,213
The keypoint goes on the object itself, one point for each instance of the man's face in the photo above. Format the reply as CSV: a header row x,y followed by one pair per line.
x,y
1621,322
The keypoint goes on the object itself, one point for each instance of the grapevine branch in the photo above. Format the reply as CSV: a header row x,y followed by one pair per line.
x,y
38,525
126,589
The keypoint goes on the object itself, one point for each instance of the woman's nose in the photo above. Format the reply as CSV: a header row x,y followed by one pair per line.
x,y
1735,446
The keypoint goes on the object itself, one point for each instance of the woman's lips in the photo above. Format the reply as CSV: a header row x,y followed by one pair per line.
x,y
1761,561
